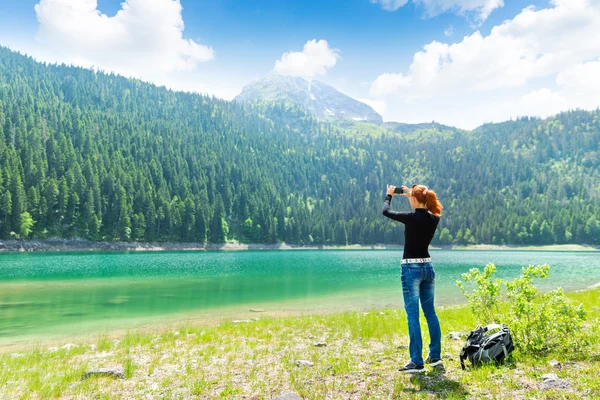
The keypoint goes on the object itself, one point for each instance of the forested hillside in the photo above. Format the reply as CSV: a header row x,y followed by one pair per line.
x,y
98,156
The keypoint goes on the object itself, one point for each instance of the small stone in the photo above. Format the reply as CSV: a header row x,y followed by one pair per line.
x,y
68,346
456,335
320,344
250,363
117,372
555,364
552,381
304,363
402,346
17,355
11,383
175,333
257,310
549,377
238,321
288,396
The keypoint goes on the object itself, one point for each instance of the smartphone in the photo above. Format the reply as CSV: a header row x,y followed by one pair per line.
x,y
398,190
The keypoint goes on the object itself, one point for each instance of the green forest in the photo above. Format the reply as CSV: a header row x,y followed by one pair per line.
x,y
85,154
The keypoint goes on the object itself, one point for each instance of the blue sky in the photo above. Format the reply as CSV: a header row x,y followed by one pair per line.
x,y
372,50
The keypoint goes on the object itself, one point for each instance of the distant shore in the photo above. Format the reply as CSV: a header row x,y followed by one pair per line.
x,y
58,245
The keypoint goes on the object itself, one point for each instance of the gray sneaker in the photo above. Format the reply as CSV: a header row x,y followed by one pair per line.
x,y
412,368
433,362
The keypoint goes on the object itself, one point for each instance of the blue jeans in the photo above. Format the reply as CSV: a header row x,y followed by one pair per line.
x,y
418,283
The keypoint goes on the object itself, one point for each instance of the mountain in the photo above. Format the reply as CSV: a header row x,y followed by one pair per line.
x,y
98,156
320,100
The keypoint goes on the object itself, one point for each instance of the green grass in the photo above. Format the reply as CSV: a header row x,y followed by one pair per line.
x,y
257,360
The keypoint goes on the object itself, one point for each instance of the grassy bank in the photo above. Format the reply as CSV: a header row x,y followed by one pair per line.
x,y
257,359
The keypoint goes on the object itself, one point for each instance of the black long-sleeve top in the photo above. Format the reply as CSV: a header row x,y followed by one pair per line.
x,y
419,228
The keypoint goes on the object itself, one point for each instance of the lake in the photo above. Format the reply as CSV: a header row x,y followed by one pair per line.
x,y
46,296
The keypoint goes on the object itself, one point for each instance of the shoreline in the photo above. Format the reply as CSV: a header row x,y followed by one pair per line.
x,y
350,355
62,245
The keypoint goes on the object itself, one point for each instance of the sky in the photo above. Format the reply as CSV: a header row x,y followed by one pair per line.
x,y
457,62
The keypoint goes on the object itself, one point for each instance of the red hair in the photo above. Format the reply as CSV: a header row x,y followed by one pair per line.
x,y
428,197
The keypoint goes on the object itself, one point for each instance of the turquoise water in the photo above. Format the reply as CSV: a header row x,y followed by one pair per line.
x,y
45,295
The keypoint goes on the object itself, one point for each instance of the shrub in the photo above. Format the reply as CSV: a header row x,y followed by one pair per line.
x,y
539,322
486,298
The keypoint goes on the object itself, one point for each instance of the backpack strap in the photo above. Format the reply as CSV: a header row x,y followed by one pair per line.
x,y
491,327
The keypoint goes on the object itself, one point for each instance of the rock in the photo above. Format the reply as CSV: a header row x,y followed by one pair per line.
x,y
68,346
288,396
257,310
304,363
549,377
10,383
552,381
456,335
17,355
117,372
238,321
250,363
320,344
555,364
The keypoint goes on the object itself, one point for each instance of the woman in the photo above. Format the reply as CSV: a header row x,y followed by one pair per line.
x,y
418,276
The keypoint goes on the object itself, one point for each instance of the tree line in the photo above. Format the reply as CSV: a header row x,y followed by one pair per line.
x,y
102,157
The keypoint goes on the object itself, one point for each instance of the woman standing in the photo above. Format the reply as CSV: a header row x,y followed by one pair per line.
x,y
418,275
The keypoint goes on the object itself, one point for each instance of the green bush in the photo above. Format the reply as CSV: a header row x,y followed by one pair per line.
x,y
539,322
486,298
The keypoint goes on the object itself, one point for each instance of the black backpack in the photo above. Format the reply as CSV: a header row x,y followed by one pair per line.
x,y
491,343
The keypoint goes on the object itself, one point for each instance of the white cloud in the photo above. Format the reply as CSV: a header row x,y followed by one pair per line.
x,y
315,60
545,57
481,9
449,30
390,5
378,105
144,39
